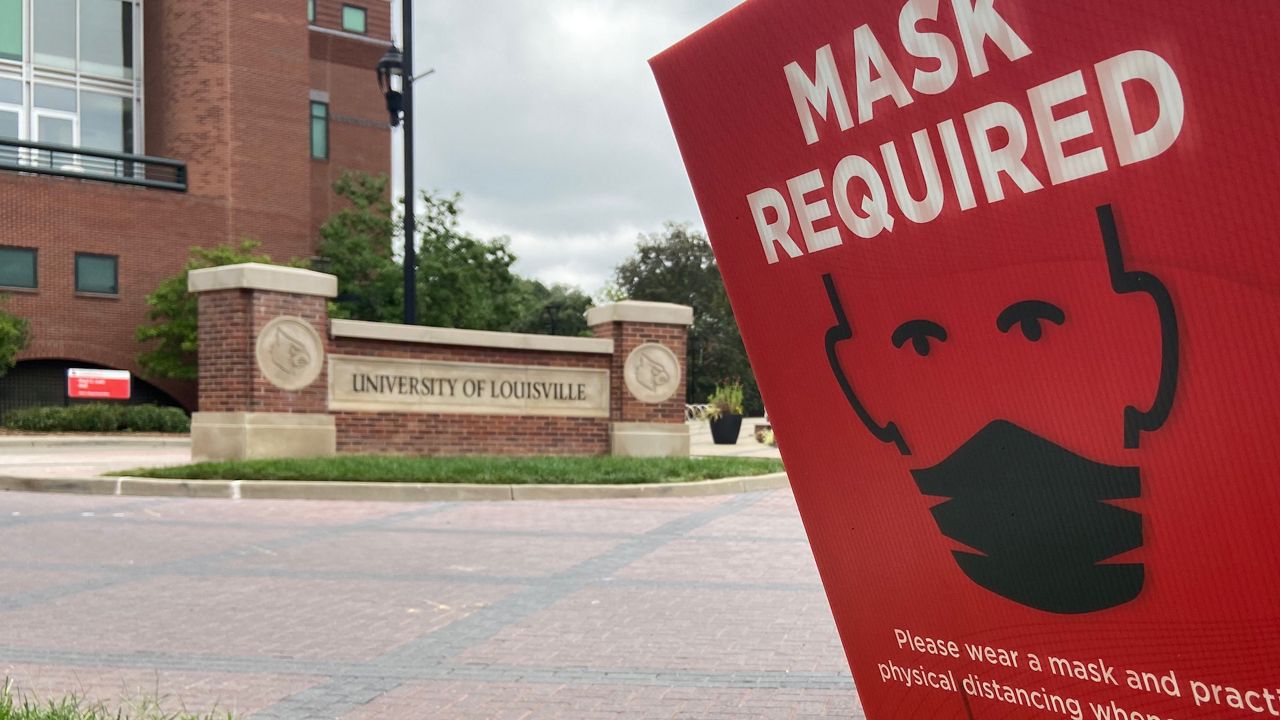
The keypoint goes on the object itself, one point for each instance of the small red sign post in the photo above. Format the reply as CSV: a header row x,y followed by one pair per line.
x,y
85,384
1008,276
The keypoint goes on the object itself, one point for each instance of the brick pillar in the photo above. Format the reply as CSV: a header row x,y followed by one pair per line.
x,y
650,342
263,336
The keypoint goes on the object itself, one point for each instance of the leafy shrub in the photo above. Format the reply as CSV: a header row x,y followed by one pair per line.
x,y
726,399
99,417
156,419
173,312
14,335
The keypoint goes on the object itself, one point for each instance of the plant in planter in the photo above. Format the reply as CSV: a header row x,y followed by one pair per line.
x,y
724,412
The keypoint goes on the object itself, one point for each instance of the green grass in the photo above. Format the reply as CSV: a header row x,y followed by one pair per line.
x,y
484,470
15,707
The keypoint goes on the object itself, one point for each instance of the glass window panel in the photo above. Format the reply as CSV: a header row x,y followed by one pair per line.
x,y
96,274
17,267
10,91
319,131
311,10
106,122
54,36
9,128
56,130
353,18
106,38
11,29
55,98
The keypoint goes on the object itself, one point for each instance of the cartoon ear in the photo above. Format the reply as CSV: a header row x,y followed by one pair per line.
x,y
839,333
1124,282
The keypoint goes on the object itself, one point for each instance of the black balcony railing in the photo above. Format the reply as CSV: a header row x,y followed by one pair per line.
x,y
72,162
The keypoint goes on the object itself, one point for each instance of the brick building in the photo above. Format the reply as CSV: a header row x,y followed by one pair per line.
x,y
196,122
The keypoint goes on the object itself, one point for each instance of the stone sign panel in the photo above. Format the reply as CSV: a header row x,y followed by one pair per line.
x,y
652,373
369,384
290,353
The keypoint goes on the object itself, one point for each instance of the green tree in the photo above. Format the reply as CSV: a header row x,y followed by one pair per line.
x,y
15,332
172,313
676,265
552,309
356,247
463,281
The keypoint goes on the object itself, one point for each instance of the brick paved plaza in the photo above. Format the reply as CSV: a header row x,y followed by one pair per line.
x,y
702,608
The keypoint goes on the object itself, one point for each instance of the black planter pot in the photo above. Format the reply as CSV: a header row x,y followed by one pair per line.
x,y
725,429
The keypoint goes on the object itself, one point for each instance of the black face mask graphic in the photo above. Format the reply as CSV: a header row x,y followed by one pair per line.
x,y
1035,514
1038,515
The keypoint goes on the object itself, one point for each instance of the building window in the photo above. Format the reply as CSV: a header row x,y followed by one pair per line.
x,y
319,130
11,30
311,11
97,274
353,19
11,117
70,73
17,268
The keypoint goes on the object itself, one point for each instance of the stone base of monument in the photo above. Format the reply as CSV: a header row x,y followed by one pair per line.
x,y
255,436
650,440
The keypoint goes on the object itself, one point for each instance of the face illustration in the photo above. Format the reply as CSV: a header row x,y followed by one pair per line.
x,y
1035,521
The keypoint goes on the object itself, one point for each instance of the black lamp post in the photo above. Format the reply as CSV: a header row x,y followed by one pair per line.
x,y
400,106
552,311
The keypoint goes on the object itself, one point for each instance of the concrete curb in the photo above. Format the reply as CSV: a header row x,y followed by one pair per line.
x,y
145,441
384,492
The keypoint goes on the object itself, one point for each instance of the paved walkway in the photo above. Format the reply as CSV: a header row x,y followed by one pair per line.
x,y
692,608
79,457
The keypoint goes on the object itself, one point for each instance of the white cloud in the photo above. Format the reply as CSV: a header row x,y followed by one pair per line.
x,y
583,259
544,114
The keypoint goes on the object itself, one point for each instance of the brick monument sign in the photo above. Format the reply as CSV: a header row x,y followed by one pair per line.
x,y
279,378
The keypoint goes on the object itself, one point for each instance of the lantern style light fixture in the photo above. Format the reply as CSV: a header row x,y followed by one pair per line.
x,y
392,66
395,64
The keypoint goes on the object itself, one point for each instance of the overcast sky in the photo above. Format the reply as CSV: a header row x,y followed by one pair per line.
x,y
544,114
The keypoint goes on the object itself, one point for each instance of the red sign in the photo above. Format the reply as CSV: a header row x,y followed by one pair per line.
x,y
1008,274
98,384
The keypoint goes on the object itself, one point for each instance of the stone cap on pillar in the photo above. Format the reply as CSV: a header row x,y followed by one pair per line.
x,y
635,311
257,276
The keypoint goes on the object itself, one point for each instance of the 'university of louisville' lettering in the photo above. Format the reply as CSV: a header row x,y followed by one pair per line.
x,y
403,385
425,386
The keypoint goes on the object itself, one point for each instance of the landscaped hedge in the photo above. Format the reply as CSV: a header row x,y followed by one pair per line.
x,y
99,418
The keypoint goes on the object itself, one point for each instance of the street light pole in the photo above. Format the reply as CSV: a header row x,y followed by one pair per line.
x,y
410,250
399,64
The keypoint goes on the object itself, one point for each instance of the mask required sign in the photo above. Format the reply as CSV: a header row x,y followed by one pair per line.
x,y
1007,275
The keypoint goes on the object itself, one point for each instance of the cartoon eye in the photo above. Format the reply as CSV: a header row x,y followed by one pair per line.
x,y
1030,314
919,332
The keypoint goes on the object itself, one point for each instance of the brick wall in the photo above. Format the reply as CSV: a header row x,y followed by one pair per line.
x,y
359,134
628,336
231,321
229,377
269,154
149,230
438,434
377,14
188,90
